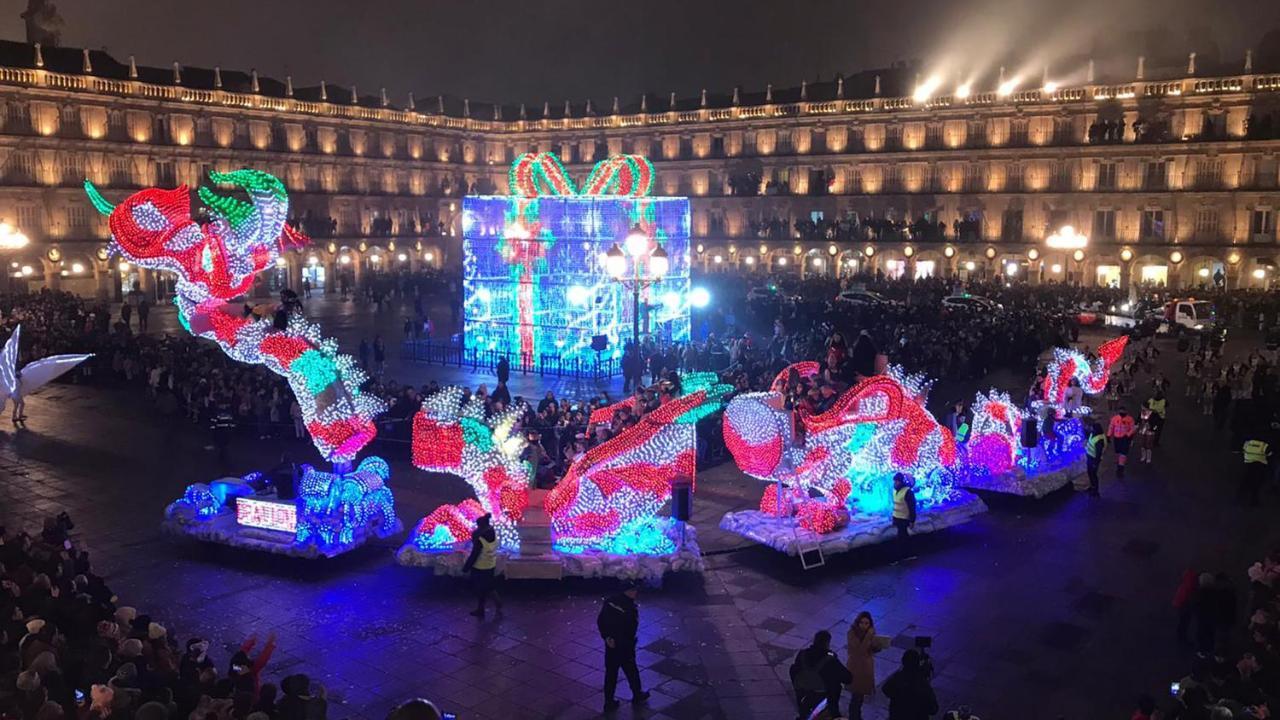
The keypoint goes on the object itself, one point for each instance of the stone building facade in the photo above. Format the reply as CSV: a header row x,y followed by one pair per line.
x,y
1173,181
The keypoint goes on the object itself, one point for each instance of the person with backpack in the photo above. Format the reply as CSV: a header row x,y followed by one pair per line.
x,y
818,675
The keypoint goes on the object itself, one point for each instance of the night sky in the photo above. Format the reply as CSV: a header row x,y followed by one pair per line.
x,y
574,49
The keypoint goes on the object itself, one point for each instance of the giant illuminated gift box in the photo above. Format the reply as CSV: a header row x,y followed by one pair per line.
x,y
535,285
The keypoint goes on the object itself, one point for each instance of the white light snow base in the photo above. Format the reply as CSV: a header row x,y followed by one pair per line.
x,y
588,564
1017,482
224,530
785,535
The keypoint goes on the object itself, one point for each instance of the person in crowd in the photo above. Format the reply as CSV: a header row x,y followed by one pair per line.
x,y
619,625
1094,446
910,690
1146,438
482,564
818,676
862,648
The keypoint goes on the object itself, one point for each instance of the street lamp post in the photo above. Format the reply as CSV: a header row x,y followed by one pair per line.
x,y
648,265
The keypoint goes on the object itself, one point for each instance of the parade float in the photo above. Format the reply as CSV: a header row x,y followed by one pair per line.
x,y
313,512
602,519
997,459
833,489
536,287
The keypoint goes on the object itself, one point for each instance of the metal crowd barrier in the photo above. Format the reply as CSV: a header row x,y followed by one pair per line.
x,y
449,354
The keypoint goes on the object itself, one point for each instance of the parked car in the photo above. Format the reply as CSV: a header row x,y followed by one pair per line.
x,y
975,303
863,297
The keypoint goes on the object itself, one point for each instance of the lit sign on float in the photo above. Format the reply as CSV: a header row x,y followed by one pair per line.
x,y
267,515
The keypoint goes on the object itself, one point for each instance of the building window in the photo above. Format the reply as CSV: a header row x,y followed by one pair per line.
x,y
1152,225
1011,228
122,171
77,217
165,174
1156,175
1107,176
1262,225
22,167
1207,222
785,144
30,219
1104,223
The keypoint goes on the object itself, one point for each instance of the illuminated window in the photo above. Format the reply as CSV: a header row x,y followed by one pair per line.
x,y
1152,225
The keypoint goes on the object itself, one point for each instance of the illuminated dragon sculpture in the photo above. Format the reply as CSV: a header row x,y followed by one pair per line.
x,y
850,452
1069,363
451,436
607,501
217,262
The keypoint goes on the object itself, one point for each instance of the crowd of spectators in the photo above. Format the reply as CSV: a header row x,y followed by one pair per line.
x,y
70,649
853,227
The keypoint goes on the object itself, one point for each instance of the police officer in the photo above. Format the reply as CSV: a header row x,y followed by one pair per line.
x,y
1157,405
482,564
904,505
619,623
1257,454
1093,448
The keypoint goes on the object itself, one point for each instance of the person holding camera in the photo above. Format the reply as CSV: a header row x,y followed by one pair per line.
x,y
910,693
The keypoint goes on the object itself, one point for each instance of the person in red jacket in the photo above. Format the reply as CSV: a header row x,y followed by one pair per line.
x,y
1184,603
1121,430
246,673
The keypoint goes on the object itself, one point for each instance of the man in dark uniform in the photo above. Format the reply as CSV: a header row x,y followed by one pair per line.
x,y
619,621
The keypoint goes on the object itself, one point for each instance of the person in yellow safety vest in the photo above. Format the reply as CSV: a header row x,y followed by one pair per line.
x,y
1120,432
482,563
1257,456
904,505
1093,448
1157,405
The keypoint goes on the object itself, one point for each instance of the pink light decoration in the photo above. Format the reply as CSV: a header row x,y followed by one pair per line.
x,y
626,479
850,452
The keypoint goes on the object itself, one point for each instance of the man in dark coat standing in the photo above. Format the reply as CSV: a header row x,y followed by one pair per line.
x,y
619,623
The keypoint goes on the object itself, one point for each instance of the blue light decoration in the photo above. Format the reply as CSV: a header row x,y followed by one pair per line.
x,y
534,282
334,512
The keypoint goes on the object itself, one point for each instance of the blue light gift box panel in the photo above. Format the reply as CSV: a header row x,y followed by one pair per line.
x,y
534,281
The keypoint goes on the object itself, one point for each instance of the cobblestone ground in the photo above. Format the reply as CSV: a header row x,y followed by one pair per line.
x,y
1055,607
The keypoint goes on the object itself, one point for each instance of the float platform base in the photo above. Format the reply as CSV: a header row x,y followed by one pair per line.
x,y
558,564
785,534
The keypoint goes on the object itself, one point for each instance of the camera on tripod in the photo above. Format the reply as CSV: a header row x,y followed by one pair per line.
x,y
922,645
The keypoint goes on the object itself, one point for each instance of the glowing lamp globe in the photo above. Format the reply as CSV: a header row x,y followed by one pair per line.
x,y
615,263
636,242
658,263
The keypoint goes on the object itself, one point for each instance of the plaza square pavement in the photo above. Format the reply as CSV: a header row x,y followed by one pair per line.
x,y
1058,607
